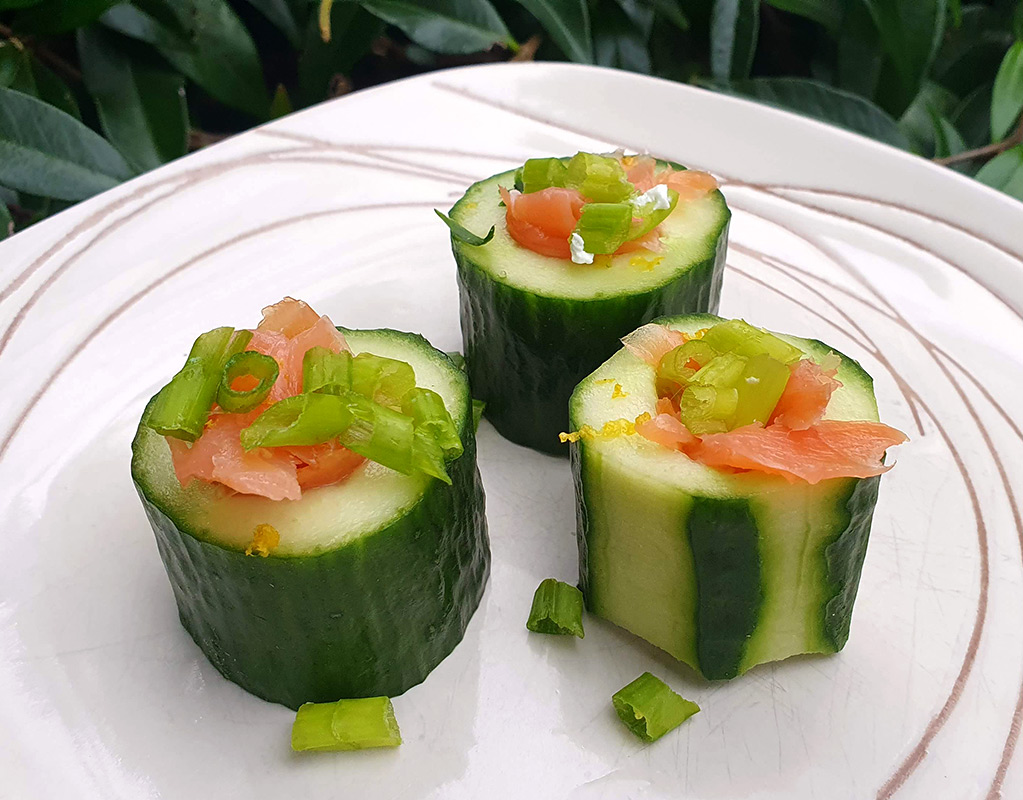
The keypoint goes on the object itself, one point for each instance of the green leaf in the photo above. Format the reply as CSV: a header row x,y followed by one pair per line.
x,y
6,222
353,31
51,89
911,31
670,10
917,122
827,12
955,12
734,26
947,140
16,69
61,16
567,22
141,108
823,102
219,56
47,152
859,53
280,106
621,35
970,55
279,13
445,26
1005,172
10,5
1007,96
972,116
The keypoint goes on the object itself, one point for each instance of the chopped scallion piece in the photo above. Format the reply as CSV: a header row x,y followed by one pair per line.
x,y
706,409
600,179
738,336
325,371
650,210
357,724
681,363
382,380
305,419
478,407
650,708
379,433
604,227
464,234
557,608
427,408
428,457
542,173
761,386
182,406
722,372
260,367
457,359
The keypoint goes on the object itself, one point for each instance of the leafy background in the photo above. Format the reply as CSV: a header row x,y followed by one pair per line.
x,y
93,92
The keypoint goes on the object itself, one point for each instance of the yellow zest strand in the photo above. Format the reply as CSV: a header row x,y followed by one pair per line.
x,y
618,392
264,539
604,382
611,429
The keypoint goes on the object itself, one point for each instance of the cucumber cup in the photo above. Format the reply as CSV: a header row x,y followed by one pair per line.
x,y
725,566
535,324
357,589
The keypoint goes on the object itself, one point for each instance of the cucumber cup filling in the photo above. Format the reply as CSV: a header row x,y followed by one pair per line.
x,y
726,481
310,489
560,258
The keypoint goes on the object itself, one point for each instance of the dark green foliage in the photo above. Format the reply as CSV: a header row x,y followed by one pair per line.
x,y
937,77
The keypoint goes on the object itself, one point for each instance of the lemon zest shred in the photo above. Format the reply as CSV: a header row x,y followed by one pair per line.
x,y
618,392
604,382
612,429
645,263
264,539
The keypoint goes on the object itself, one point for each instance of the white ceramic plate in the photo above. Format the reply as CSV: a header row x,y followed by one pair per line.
x,y
911,268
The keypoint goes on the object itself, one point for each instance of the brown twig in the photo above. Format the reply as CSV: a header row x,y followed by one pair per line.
x,y
987,151
198,139
43,53
527,50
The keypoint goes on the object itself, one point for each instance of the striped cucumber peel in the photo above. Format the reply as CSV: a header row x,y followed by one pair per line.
x,y
722,571
534,326
373,583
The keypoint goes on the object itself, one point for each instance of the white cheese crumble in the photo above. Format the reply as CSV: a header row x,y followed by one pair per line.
x,y
657,196
578,246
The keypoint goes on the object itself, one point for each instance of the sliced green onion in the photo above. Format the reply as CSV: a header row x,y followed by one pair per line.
x,y
325,371
346,725
182,406
649,708
261,367
557,608
383,380
604,227
762,383
649,211
706,409
738,336
305,419
464,234
428,457
542,173
379,433
478,407
427,408
674,365
721,372
600,179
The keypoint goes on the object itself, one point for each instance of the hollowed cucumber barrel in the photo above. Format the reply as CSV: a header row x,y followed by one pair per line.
x,y
533,326
723,570
374,580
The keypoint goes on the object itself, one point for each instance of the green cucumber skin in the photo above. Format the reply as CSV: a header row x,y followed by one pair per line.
x,y
845,555
724,541
526,352
372,617
723,538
